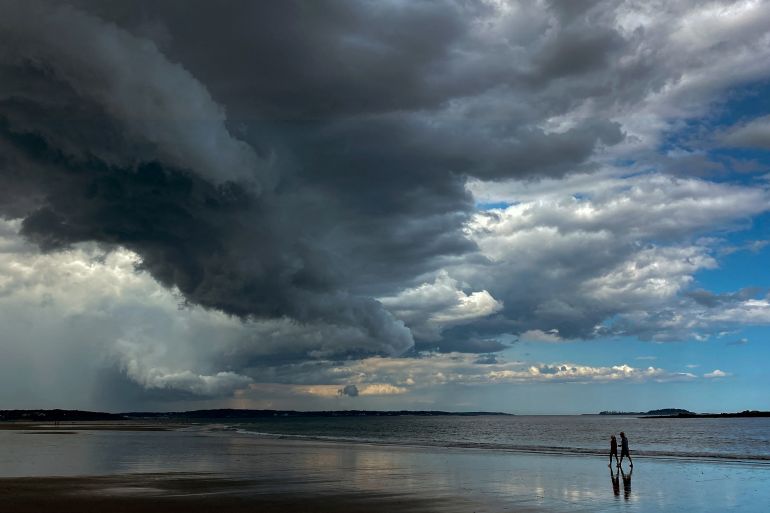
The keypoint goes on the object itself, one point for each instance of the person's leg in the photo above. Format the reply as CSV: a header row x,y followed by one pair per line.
x,y
629,459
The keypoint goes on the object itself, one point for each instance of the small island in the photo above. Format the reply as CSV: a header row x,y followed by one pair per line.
x,y
689,415
679,413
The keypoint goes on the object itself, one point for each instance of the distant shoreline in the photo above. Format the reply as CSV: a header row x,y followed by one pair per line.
x,y
57,415
8,417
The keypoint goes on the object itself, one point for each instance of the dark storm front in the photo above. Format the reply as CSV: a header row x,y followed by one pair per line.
x,y
739,439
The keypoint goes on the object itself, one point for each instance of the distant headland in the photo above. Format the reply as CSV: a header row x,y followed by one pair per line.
x,y
678,413
58,416
689,415
664,411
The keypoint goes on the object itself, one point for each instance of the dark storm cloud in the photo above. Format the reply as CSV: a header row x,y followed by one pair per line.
x,y
87,156
306,59
384,85
476,338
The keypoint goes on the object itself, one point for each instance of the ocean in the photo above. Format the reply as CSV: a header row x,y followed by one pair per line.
x,y
736,439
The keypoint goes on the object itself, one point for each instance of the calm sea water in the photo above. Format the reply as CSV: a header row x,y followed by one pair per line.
x,y
745,439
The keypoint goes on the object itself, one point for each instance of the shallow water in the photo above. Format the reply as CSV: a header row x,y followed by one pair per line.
x,y
732,438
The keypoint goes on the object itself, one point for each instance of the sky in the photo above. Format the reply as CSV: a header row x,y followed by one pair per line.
x,y
535,207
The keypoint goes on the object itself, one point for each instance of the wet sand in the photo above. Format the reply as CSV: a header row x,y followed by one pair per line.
x,y
171,493
195,469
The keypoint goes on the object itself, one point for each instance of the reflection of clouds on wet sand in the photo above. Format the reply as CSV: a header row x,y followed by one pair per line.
x,y
497,479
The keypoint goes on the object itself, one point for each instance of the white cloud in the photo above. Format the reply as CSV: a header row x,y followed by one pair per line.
x,y
430,307
459,368
216,385
716,373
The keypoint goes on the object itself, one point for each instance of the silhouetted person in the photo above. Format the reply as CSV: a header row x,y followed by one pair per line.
x,y
613,450
626,482
615,478
624,449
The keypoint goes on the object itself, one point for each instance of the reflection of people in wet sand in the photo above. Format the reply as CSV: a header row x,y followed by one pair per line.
x,y
615,478
626,482
613,450
624,449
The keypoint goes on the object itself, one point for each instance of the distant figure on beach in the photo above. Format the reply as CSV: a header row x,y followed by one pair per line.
x,y
624,451
615,478
626,482
613,450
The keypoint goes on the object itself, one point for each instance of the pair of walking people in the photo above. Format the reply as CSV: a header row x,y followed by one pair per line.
x,y
623,449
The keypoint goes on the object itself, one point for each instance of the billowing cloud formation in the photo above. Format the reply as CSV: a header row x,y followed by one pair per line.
x,y
123,318
335,203
615,257
431,306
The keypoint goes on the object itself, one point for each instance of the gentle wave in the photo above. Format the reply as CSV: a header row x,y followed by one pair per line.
x,y
536,449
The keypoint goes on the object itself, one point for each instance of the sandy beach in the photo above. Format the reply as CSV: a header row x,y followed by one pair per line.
x,y
91,468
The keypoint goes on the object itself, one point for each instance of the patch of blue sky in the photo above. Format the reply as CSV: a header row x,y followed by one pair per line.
x,y
743,103
495,205
597,352
580,196
743,261
605,352
738,105
625,162
700,136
